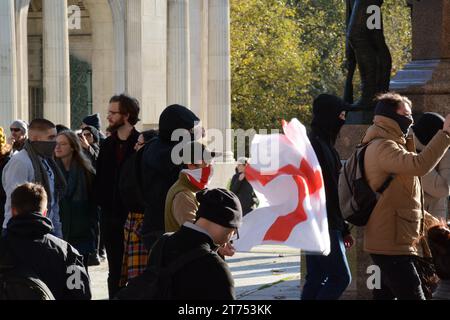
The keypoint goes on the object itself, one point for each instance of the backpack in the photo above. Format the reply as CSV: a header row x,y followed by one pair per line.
x,y
19,282
130,183
356,199
155,282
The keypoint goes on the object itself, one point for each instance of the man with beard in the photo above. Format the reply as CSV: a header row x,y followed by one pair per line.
x,y
328,276
35,163
123,112
19,131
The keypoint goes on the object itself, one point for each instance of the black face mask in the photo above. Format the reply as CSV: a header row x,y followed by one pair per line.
x,y
327,127
44,148
404,122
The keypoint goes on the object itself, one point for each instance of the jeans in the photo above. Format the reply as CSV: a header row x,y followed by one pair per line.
x,y
399,278
327,276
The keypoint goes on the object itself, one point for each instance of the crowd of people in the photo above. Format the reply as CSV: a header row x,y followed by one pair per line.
x,y
73,197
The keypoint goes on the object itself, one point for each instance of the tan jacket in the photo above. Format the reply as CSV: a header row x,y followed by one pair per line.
x,y
181,204
436,185
399,219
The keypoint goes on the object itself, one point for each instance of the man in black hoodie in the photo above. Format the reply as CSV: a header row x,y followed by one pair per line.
x,y
328,276
31,246
159,172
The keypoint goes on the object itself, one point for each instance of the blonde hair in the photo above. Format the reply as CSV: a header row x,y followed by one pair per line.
x,y
5,148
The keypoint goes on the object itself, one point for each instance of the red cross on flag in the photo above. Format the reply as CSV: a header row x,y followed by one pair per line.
x,y
284,169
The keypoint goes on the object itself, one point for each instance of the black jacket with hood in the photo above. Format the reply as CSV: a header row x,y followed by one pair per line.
x,y
53,260
325,127
159,172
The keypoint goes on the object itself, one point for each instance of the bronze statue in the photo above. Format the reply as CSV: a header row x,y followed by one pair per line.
x,y
367,48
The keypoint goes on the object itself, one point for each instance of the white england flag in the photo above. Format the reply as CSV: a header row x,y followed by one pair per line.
x,y
285,170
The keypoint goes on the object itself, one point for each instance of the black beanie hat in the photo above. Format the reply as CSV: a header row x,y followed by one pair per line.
x,y
220,206
92,120
427,127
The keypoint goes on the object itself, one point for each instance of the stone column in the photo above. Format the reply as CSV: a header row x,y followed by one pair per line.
x,y
219,75
8,73
178,62
22,58
134,48
56,62
146,57
198,38
426,80
104,74
118,9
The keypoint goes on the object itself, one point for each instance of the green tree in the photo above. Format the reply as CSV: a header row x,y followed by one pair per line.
x,y
270,69
286,52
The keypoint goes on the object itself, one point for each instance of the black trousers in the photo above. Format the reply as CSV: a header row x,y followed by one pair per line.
x,y
399,278
113,235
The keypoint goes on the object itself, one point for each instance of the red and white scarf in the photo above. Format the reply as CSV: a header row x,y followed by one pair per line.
x,y
200,177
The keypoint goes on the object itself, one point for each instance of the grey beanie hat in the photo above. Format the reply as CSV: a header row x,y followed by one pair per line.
x,y
22,125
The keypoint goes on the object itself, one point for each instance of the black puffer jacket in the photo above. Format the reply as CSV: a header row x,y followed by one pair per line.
x,y
159,172
207,278
55,262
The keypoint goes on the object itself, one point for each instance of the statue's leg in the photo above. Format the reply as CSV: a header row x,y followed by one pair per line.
x,y
384,60
350,65
350,59
366,56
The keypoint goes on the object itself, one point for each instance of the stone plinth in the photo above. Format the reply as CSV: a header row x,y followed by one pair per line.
x,y
427,84
349,137
426,80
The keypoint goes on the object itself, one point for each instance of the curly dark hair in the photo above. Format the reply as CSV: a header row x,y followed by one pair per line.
x,y
128,106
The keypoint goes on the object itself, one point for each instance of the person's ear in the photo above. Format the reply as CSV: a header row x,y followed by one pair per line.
x,y
44,212
13,211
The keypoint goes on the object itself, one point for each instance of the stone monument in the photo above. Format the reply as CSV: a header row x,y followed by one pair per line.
x,y
426,81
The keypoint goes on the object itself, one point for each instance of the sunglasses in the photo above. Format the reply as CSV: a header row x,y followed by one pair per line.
x,y
14,129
